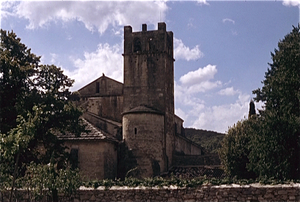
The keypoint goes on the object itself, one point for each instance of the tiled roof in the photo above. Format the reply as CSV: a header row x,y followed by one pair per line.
x,y
143,109
92,134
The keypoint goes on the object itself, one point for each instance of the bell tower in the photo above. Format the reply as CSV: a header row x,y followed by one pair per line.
x,y
148,113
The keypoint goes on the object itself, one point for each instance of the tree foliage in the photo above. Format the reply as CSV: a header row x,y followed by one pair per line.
x,y
17,67
235,149
35,103
273,136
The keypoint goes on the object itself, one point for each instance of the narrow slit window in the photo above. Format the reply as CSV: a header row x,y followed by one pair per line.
x,y
74,158
97,87
135,131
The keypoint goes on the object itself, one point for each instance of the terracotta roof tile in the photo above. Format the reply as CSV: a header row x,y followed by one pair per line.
x,y
143,109
92,134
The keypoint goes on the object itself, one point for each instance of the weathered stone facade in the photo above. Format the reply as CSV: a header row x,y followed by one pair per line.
x,y
138,113
149,97
95,152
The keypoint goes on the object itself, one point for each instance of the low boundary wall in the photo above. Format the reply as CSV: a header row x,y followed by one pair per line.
x,y
253,192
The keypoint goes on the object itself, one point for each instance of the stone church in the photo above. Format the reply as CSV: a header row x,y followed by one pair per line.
x,y
131,126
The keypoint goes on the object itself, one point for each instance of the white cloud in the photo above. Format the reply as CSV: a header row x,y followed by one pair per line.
x,y
7,8
202,2
106,59
197,113
200,80
220,117
203,87
96,15
291,3
183,52
182,96
228,91
200,75
228,20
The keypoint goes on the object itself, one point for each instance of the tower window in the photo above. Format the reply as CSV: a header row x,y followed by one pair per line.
x,y
97,87
151,44
135,131
137,46
74,158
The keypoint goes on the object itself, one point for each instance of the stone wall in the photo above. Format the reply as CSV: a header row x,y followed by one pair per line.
x,y
221,193
143,133
186,146
193,160
97,159
106,125
102,86
109,107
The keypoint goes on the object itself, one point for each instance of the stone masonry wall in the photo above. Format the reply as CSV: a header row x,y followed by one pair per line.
x,y
109,107
186,146
193,160
97,158
221,193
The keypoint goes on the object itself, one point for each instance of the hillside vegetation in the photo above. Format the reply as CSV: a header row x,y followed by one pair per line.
x,y
209,140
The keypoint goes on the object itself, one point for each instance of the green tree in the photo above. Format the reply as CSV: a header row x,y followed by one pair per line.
x,y
281,87
276,149
268,144
34,106
17,66
236,147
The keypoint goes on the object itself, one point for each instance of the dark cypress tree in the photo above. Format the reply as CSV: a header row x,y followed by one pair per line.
x,y
251,109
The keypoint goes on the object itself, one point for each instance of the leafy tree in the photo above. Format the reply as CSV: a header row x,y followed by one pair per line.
x,y
17,66
235,148
276,149
281,90
47,180
268,144
34,106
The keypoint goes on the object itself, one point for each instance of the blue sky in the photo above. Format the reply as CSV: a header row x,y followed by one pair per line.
x,y
222,48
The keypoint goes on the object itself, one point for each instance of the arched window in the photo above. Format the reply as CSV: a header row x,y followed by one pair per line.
x,y
137,46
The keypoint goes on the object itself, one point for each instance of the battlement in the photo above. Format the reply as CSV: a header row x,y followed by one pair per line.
x,y
161,27
148,41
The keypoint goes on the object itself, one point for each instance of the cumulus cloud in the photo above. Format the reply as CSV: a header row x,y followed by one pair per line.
x,y
202,2
183,52
6,8
220,117
96,15
106,59
228,91
200,75
199,114
200,80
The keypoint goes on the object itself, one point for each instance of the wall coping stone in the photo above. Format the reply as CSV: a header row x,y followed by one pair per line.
x,y
218,193
233,186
